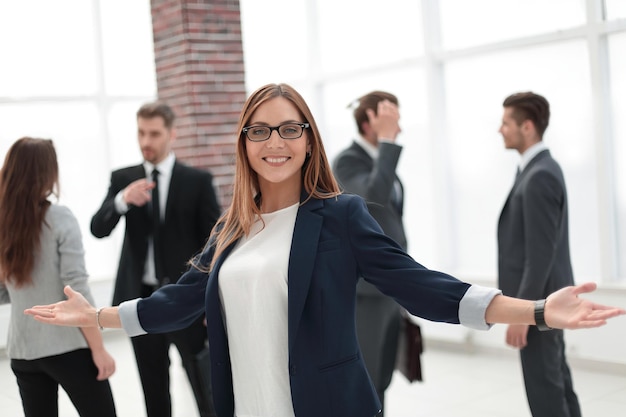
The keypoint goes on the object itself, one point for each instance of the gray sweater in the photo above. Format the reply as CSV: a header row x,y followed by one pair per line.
x,y
60,262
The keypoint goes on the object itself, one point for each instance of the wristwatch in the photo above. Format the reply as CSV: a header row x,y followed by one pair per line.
x,y
540,320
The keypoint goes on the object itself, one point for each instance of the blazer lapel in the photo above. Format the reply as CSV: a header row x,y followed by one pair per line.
x,y
362,153
519,178
215,321
301,261
136,173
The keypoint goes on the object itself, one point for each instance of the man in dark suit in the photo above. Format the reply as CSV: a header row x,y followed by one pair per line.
x,y
368,168
170,209
533,253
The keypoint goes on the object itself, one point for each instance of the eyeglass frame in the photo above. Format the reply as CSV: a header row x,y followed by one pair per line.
x,y
304,125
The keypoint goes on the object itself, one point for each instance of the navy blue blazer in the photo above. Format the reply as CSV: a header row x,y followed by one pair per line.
x,y
335,242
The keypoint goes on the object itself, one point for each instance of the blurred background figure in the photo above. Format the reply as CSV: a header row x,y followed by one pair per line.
x,y
170,209
368,168
533,253
41,251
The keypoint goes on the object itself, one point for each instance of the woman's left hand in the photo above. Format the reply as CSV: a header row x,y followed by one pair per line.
x,y
565,310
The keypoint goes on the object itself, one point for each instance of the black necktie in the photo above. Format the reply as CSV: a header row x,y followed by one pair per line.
x,y
156,207
156,223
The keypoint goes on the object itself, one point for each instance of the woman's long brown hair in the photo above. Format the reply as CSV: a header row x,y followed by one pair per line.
x,y
30,174
317,177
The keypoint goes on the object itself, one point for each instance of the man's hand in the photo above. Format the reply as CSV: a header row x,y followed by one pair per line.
x,y
385,120
516,335
138,192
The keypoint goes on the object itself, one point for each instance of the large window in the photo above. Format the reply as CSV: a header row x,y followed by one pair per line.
x,y
467,23
483,171
79,77
452,64
76,71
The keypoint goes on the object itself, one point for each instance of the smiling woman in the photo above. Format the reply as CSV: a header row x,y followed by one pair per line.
x,y
277,282
88,71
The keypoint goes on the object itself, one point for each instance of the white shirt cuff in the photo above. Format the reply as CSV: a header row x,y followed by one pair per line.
x,y
473,306
130,319
120,205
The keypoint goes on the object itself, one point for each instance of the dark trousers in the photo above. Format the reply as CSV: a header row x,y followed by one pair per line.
x,y
378,328
152,356
547,376
39,379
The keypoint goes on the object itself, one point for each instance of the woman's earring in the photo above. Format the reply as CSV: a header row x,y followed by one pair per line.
x,y
308,154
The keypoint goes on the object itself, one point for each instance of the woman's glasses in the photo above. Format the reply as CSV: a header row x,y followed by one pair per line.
x,y
285,131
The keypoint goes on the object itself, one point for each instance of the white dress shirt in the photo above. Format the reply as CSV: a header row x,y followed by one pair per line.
x,y
165,168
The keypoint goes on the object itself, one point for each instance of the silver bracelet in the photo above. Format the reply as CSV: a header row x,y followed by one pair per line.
x,y
98,311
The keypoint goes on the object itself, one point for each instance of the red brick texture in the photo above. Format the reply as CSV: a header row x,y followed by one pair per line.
x,y
200,73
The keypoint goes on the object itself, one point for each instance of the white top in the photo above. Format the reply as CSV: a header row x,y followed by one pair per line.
x,y
253,290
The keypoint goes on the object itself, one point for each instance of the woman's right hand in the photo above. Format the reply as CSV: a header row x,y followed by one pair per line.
x,y
75,311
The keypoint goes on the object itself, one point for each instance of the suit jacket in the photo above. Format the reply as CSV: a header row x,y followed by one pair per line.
x,y
533,241
190,213
335,242
359,174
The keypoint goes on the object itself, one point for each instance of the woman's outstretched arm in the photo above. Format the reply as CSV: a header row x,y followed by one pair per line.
x,y
563,310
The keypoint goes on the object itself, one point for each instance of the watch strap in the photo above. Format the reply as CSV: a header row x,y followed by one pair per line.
x,y
540,320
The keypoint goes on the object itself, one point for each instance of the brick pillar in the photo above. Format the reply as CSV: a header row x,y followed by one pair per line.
x,y
200,73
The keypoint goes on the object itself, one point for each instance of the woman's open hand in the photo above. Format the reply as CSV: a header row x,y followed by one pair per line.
x,y
565,310
75,311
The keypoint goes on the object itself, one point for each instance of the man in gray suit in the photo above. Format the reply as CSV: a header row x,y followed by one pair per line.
x,y
368,168
533,253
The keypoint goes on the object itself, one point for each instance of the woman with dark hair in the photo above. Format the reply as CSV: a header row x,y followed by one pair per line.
x,y
40,253
277,280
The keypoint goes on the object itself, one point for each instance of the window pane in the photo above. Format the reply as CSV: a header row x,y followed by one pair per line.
x,y
483,171
469,23
128,49
122,142
76,131
615,9
617,46
47,49
371,35
274,44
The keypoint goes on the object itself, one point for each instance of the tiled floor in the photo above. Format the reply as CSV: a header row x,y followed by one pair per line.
x,y
455,384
